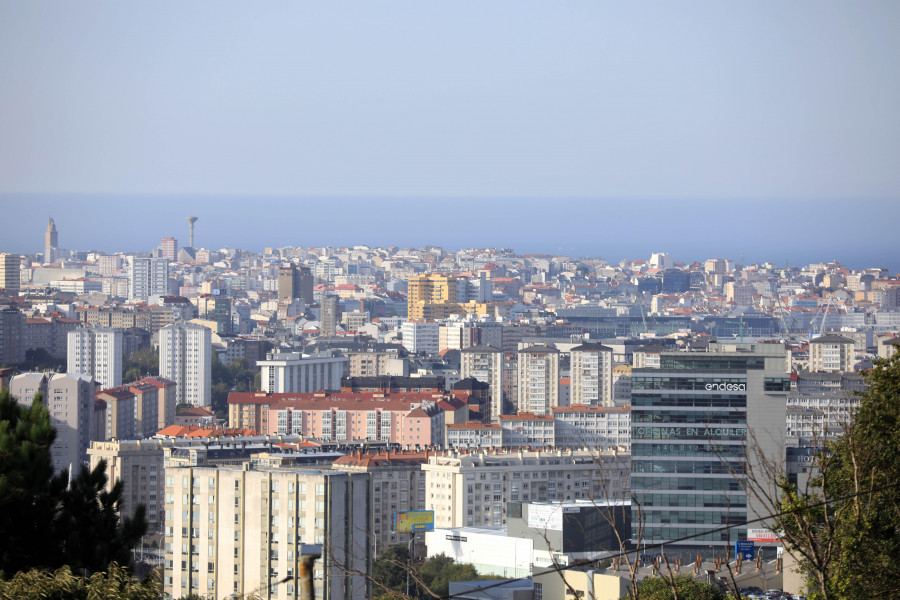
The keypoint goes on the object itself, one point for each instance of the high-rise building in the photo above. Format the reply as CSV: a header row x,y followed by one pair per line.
x,y
12,336
70,400
51,243
295,282
242,531
330,315
538,379
692,420
96,352
294,372
485,363
169,248
831,353
9,273
590,375
432,296
421,337
148,277
185,357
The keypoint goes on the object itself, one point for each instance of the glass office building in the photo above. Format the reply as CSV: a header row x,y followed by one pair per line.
x,y
690,424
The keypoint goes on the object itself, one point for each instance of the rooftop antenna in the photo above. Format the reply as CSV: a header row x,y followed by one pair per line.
x,y
192,220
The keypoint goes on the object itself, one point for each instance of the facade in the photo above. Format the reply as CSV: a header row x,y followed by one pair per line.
x,y
396,483
600,427
49,333
466,490
12,334
168,248
139,465
185,357
295,282
831,353
242,531
96,352
421,337
690,420
330,314
432,296
70,400
148,277
286,372
9,273
51,242
485,363
538,368
591,378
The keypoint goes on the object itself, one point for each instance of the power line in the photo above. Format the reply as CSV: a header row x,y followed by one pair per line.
x,y
583,563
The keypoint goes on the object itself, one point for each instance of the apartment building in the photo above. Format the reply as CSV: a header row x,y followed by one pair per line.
x,y
831,353
598,427
295,372
396,483
148,277
9,273
485,363
241,530
69,398
538,374
473,489
421,337
432,296
12,333
96,352
185,357
591,375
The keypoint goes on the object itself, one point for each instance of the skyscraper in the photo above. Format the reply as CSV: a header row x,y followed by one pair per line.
x,y
432,296
9,273
96,352
591,375
148,277
690,423
330,315
51,242
538,379
169,248
185,357
485,363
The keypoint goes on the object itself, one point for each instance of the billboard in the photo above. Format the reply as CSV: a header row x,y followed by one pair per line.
x,y
744,549
414,520
763,535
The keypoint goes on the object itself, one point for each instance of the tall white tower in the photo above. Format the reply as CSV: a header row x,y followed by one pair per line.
x,y
185,357
96,352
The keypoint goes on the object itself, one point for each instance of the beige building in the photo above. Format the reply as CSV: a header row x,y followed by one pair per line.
x,y
473,489
241,530
139,465
431,296
96,352
590,375
831,353
485,363
70,401
396,483
538,368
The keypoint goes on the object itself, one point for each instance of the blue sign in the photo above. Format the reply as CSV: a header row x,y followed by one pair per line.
x,y
744,549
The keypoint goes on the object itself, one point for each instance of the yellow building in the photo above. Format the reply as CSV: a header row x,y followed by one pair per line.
x,y
431,296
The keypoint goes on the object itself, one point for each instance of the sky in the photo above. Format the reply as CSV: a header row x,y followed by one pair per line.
x,y
606,128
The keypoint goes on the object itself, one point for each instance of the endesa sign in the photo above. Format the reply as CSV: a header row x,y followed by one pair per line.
x,y
726,387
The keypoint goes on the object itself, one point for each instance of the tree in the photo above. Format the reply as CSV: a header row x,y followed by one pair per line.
x,y
43,522
28,490
38,359
844,527
88,529
115,584
688,588
437,572
140,363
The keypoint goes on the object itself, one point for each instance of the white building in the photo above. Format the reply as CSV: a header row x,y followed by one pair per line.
x,y
590,375
538,379
70,400
831,353
294,372
420,336
485,363
148,277
185,357
96,352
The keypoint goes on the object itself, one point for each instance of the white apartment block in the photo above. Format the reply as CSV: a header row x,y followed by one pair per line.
x,y
812,417
70,400
831,353
96,352
242,531
420,336
590,375
298,373
148,277
600,427
538,370
466,490
485,363
185,357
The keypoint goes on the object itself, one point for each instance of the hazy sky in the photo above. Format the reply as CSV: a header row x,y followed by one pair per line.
x,y
626,105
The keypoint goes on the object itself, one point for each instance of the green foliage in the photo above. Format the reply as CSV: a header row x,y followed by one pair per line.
x,y
140,363
438,571
390,570
233,377
114,584
658,588
851,549
392,567
38,359
43,522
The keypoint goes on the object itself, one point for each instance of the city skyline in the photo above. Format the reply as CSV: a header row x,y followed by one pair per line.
x,y
799,232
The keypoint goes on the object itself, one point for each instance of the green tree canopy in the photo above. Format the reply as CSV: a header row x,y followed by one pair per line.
x,y
659,588
115,584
